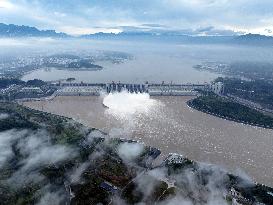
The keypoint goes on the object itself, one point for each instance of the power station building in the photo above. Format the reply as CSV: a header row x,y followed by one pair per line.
x,y
217,88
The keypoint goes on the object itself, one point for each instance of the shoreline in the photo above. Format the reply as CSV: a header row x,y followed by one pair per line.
x,y
189,103
185,128
158,159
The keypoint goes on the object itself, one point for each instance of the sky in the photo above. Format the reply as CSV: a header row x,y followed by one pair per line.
x,y
196,17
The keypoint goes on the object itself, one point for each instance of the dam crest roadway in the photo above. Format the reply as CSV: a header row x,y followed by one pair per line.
x,y
155,89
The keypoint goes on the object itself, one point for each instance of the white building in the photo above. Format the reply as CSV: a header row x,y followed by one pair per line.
x,y
31,90
217,88
80,90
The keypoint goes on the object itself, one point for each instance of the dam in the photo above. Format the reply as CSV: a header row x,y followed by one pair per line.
x,y
155,89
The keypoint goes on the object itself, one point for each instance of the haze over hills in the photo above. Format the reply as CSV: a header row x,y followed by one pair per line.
x,y
247,39
13,31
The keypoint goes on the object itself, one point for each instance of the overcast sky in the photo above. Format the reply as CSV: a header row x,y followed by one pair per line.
x,y
202,17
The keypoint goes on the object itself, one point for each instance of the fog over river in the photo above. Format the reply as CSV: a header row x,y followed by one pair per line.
x,y
170,125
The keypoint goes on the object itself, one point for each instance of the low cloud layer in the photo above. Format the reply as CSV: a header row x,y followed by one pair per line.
x,y
39,151
191,183
205,185
6,140
36,151
130,151
3,116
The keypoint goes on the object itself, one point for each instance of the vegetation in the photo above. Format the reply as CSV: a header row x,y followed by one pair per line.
x,y
259,91
83,65
35,83
6,82
228,109
252,70
13,89
94,171
106,164
20,117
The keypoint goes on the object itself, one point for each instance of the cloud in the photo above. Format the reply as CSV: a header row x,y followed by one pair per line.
x,y
5,4
40,151
52,196
198,183
3,116
6,140
36,151
153,25
75,176
82,16
30,154
204,184
130,151
206,29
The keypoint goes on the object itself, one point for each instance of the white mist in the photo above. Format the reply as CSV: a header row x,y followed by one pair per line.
x,y
124,105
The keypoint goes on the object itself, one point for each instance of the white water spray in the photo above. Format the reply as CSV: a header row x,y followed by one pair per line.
x,y
124,105
130,110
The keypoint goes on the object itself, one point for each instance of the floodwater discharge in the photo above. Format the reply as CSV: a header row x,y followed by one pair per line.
x,y
170,125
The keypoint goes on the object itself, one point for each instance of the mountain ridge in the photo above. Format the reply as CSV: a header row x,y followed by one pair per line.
x,y
12,30
17,31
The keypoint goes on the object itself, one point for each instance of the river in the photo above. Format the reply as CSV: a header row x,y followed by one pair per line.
x,y
170,125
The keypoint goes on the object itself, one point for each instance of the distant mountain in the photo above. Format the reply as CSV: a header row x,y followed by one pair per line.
x,y
169,36
254,39
11,30
248,39
118,35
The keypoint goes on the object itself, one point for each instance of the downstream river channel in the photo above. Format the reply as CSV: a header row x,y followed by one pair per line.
x,y
170,125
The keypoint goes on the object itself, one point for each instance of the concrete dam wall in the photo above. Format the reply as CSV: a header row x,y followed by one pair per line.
x,y
84,89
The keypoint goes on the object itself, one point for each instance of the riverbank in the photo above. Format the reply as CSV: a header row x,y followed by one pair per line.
x,y
175,127
74,159
230,110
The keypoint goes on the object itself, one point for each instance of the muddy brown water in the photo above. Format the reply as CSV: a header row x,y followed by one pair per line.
x,y
174,127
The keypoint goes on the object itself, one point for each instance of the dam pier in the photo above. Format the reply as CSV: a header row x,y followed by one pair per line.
x,y
154,89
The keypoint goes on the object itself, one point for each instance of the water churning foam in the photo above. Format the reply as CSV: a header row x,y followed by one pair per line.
x,y
124,105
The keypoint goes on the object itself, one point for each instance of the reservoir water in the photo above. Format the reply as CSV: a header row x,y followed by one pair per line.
x,y
151,61
150,67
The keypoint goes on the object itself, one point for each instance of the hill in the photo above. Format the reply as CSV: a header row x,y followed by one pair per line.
x,y
11,30
254,39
